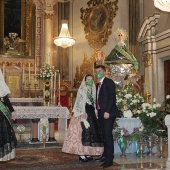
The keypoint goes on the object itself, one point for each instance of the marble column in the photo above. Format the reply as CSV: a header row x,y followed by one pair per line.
x,y
48,31
167,123
147,64
35,130
38,32
51,129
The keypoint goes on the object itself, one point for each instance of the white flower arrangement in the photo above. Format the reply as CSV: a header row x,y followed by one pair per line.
x,y
153,115
46,72
129,103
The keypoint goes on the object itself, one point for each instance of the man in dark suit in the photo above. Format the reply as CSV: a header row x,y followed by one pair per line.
x,y
107,112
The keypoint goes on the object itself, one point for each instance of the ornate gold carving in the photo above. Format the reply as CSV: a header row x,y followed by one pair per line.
x,y
28,18
13,79
147,96
98,21
48,15
87,67
147,60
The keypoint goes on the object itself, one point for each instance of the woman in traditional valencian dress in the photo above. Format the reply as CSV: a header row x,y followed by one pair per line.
x,y
84,137
7,136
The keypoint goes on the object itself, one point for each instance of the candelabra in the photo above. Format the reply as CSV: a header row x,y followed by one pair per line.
x,y
35,86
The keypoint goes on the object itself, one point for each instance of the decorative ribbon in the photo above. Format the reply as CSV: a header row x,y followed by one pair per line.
x,y
90,97
6,113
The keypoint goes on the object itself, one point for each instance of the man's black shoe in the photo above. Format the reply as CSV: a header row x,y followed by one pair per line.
x,y
104,163
100,159
107,164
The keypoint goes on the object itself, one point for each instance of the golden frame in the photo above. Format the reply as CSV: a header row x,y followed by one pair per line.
x,y
26,25
98,21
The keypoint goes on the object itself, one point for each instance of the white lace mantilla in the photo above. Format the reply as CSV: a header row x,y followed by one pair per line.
x,y
38,112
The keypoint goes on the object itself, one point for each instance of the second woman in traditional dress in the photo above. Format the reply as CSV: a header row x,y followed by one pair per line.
x,y
84,137
7,136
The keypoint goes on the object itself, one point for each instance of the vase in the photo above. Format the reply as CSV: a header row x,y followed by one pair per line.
x,y
137,147
122,144
44,138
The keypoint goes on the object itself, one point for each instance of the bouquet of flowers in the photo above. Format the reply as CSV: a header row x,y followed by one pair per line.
x,y
46,72
121,135
153,115
137,133
128,102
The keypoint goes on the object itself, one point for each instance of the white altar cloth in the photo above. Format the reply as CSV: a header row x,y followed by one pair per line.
x,y
38,112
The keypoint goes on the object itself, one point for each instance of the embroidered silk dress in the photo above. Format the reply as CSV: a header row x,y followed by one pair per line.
x,y
81,140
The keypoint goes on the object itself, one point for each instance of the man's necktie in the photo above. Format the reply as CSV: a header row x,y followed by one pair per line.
x,y
98,91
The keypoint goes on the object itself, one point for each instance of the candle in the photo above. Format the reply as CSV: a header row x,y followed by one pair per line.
x,y
59,80
35,74
3,69
29,78
23,73
55,80
51,82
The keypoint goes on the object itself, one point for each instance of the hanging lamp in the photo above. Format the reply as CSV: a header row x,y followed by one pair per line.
x,y
64,40
163,5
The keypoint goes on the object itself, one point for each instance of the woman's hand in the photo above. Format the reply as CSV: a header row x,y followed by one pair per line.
x,y
14,115
84,116
96,114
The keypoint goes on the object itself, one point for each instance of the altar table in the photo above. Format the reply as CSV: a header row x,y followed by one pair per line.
x,y
35,113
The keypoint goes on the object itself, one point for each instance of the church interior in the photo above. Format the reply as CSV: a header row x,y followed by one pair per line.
x,y
48,46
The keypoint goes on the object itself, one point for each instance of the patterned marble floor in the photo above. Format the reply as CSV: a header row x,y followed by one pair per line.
x,y
54,159
132,162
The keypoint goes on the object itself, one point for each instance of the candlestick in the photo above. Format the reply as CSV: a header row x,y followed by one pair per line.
x,y
29,73
23,74
51,94
35,74
59,104
55,75
59,80
3,69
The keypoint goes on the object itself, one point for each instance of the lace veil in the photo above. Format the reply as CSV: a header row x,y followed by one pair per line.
x,y
79,106
4,90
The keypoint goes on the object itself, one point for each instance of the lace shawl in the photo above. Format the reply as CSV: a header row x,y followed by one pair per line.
x,y
4,90
79,106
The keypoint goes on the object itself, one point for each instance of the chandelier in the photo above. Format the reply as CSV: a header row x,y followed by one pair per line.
x,y
64,40
163,5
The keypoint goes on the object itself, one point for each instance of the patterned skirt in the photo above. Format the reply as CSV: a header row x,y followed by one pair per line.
x,y
7,139
82,141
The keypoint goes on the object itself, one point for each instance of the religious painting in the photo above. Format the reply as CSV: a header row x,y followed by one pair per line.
x,y
98,21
